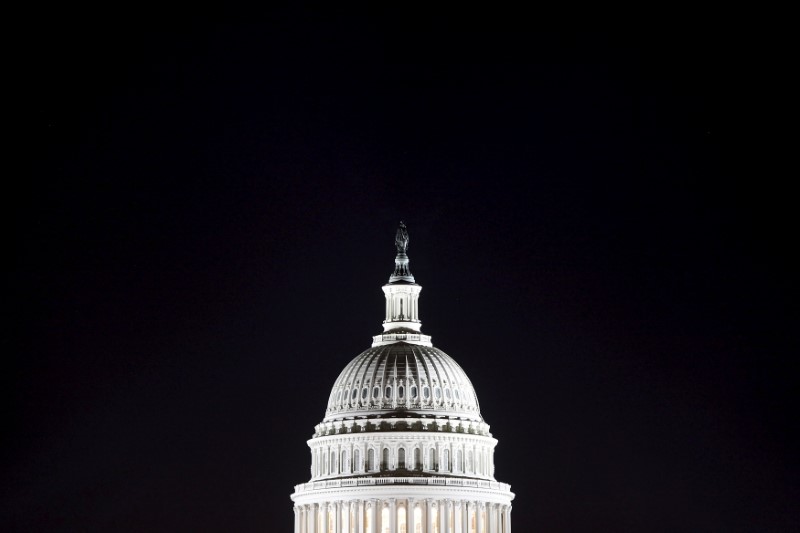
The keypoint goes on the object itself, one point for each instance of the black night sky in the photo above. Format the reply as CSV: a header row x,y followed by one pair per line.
x,y
205,215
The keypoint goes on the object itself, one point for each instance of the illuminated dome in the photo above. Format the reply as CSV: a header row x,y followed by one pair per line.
x,y
403,447
404,379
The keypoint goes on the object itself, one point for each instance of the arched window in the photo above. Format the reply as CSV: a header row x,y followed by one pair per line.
x,y
433,462
385,459
371,460
324,463
389,393
401,458
357,460
343,463
470,465
446,461
417,459
376,391
459,461
401,391
333,462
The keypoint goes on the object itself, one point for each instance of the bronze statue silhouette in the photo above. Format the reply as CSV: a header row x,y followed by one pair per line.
x,y
401,239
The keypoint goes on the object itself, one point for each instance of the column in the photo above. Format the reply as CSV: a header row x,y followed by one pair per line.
x,y
373,513
314,516
478,521
296,520
508,519
337,521
410,515
352,516
444,517
393,515
429,515
360,516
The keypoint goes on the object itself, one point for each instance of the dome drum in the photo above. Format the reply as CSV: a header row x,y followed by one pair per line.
x,y
402,454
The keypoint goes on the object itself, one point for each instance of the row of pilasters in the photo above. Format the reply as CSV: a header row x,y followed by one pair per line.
x,y
436,516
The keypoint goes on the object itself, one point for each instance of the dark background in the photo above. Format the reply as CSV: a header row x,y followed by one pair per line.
x,y
205,212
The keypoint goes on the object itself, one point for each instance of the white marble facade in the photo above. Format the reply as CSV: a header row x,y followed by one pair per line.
x,y
403,447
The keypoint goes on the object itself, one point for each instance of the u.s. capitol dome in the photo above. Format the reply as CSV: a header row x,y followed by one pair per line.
x,y
402,447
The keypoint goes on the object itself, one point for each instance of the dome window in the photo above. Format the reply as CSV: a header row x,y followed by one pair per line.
x,y
376,392
339,397
413,393
447,394
437,393
401,392
457,395
389,392
426,393
364,393
354,395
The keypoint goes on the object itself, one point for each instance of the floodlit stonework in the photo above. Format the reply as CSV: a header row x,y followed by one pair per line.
x,y
403,447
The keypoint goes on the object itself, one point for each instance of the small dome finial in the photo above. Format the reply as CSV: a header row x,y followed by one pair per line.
x,y
402,322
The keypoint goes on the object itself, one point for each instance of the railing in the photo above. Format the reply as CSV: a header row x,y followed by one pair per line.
x,y
377,481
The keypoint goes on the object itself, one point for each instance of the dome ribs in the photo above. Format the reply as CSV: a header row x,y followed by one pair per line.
x,y
429,369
